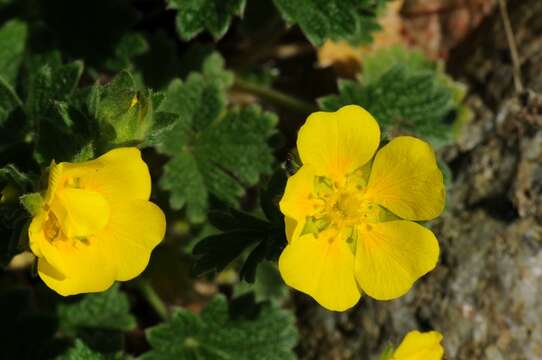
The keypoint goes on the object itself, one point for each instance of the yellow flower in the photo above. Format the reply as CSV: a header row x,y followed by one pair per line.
x,y
420,346
96,224
343,212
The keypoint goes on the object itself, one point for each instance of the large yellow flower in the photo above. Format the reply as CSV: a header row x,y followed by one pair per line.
x,y
344,213
420,346
96,224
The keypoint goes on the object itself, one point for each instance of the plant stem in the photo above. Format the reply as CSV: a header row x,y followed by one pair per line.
x,y
274,96
153,299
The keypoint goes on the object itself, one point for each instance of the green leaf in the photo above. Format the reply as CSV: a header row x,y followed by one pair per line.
x,y
131,45
109,310
80,352
195,16
12,45
32,202
269,335
405,93
242,231
49,85
387,353
215,151
268,284
350,20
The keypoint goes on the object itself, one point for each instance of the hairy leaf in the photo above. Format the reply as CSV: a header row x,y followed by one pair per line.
x,y
215,151
108,310
215,334
406,93
195,16
350,20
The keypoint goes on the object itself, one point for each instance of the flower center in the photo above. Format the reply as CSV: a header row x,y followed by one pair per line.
x,y
341,206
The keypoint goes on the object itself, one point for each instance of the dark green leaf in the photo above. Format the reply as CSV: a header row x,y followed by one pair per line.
x,y
215,252
80,352
350,20
109,310
269,335
214,150
406,93
12,45
195,16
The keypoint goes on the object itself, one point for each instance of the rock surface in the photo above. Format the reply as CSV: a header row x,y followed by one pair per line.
x,y
486,294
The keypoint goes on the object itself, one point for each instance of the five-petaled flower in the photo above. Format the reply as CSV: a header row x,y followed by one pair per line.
x,y
96,224
350,219
420,346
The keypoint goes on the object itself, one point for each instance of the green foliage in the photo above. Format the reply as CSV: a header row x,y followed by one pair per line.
x,y
13,36
215,151
125,114
405,92
195,16
350,20
242,231
107,310
387,353
80,352
13,216
268,334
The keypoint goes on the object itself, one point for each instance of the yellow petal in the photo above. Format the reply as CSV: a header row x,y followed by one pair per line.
x,y
35,232
336,143
391,256
420,346
290,227
406,180
322,269
119,174
297,202
80,212
135,228
83,268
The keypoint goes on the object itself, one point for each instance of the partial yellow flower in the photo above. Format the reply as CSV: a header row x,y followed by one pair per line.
x,y
420,346
350,214
96,224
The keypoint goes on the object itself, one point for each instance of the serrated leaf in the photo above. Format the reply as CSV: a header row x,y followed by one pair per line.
x,y
109,310
214,151
195,16
131,45
269,335
80,352
12,45
407,93
402,102
350,20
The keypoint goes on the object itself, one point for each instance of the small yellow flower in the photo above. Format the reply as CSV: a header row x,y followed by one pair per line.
x,y
344,211
420,346
96,224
